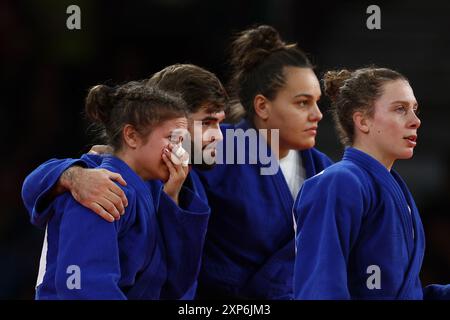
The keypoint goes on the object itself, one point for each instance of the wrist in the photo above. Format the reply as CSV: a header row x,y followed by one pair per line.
x,y
66,179
174,198
172,194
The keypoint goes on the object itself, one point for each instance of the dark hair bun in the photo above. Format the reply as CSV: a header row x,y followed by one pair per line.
x,y
99,103
333,81
252,45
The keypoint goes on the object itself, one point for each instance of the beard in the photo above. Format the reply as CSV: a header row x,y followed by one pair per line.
x,y
204,166
208,160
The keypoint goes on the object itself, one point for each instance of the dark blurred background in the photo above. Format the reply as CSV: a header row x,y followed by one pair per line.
x,y
46,70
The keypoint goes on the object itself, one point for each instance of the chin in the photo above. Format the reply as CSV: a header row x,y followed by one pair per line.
x,y
208,159
409,154
406,154
300,144
205,166
306,144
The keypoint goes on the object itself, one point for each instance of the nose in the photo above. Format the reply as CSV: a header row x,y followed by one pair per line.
x,y
315,115
415,121
216,134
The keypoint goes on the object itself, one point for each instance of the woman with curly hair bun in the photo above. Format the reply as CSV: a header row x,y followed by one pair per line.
x,y
249,248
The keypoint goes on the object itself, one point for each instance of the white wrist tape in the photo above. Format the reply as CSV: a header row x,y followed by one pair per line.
x,y
180,156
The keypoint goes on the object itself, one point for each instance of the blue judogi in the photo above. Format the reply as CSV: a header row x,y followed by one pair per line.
x,y
119,260
359,234
249,248
182,230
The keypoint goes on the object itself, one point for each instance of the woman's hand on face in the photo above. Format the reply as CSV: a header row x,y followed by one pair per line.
x,y
176,160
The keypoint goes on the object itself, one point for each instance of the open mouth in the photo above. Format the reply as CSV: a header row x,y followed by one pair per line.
x,y
412,138
210,146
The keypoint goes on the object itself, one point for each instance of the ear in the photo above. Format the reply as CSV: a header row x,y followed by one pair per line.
x,y
130,136
261,106
361,122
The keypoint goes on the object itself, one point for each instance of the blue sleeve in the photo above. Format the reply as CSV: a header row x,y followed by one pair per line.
x,y
90,244
436,292
37,185
329,210
191,202
194,184
43,179
184,235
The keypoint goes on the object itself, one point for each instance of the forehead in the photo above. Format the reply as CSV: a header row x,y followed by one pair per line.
x,y
301,81
173,124
205,111
398,90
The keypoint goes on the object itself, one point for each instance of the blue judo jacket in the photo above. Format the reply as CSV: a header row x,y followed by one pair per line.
x,y
249,248
181,232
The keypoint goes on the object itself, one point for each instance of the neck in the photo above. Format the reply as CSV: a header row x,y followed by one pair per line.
x,y
129,160
385,160
283,153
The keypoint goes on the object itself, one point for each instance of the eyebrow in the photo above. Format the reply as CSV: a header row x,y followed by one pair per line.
x,y
209,118
415,104
307,95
